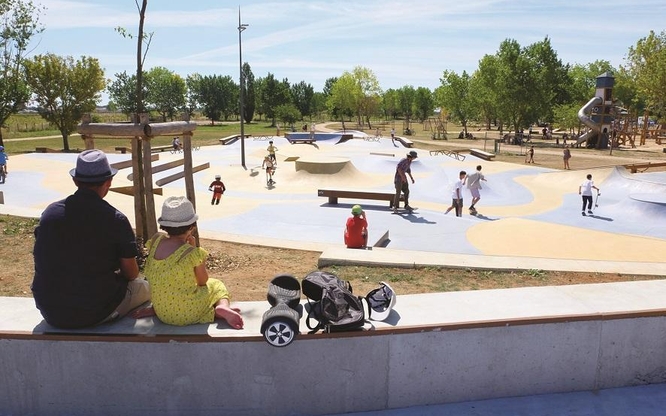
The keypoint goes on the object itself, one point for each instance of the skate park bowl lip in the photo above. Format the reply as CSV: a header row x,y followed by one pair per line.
x,y
652,198
519,323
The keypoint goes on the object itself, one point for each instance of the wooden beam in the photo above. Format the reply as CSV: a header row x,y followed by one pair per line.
x,y
128,163
111,129
169,128
162,167
129,190
181,175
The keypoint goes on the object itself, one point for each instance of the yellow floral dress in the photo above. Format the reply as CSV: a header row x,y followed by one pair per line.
x,y
176,297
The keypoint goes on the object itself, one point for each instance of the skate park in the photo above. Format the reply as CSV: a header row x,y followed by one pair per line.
x,y
529,217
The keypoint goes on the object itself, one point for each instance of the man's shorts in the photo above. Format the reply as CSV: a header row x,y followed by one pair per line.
x,y
475,192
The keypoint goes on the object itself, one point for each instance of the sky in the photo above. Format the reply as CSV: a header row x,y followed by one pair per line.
x,y
402,42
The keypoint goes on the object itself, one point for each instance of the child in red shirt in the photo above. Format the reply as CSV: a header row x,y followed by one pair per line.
x,y
217,186
356,231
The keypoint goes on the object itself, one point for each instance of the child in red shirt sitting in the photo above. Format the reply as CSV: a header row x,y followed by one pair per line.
x,y
356,231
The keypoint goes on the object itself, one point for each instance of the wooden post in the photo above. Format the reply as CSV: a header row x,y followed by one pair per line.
x,y
88,140
151,219
136,180
189,174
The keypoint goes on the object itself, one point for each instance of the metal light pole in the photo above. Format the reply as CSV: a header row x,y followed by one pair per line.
x,y
241,28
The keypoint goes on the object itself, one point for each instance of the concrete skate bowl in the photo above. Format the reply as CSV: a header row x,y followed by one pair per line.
x,y
332,171
324,165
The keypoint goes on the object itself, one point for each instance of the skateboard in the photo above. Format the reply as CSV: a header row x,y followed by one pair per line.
x,y
473,211
401,210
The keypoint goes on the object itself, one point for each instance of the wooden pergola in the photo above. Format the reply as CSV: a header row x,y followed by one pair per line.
x,y
141,131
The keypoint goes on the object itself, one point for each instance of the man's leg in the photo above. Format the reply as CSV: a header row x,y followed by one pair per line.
x,y
396,199
405,191
138,293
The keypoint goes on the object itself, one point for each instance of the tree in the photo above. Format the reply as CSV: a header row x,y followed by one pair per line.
x,y
19,22
646,62
368,95
390,103
406,96
423,103
273,94
216,95
165,92
301,96
250,96
65,89
551,80
454,94
343,97
288,114
122,92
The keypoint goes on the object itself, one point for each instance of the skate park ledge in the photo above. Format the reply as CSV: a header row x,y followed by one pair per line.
x,y
432,349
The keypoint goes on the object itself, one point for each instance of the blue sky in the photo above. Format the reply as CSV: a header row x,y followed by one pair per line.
x,y
402,42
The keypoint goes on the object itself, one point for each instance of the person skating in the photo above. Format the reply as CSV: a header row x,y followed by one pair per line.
x,y
400,180
218,188
474,186
456,195
585,190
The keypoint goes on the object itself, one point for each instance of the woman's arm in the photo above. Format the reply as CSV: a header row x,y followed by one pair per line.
x,y
201,274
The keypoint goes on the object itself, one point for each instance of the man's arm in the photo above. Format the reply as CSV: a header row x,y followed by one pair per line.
x,y
129,268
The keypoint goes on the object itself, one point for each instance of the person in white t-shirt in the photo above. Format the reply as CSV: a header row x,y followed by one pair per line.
x,y
585,189
457,196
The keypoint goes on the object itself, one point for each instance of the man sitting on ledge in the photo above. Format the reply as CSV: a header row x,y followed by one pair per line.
x,y
85,253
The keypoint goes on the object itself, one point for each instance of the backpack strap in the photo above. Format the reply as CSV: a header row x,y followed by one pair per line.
x,y
185,253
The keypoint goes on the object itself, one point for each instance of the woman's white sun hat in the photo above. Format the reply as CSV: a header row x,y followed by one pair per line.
x,y
177,211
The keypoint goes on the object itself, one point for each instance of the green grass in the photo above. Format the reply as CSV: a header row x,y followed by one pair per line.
x,y
204,135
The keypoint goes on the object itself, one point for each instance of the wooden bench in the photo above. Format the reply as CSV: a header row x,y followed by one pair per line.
x,y
303,141
334,194
161,148
44,150
121,149
480,153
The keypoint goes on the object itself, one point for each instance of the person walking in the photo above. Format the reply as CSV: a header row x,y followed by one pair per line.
x,y
400,180
474,186
393,136
566,156
456,195
529,156
585,190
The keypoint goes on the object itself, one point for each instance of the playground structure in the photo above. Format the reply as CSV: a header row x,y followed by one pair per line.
x,y
598,113
436,125
141,131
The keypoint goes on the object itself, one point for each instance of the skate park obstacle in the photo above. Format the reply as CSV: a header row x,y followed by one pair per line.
x,y
480,153
334,194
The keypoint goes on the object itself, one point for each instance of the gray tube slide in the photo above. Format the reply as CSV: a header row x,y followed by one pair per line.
x,y
585,119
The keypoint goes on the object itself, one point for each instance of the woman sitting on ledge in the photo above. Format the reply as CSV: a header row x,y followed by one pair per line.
x,y
182,293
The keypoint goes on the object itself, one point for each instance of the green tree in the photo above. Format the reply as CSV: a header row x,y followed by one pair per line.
x,y
65,89
406,96
19,22
424,103
250,95
343,97
288,114
122,92
646,62
273,94
551,80
390,103
165,92
368,97
455,95
301,96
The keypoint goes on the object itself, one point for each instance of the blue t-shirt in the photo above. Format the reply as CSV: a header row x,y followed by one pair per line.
x,y
3,158
78,246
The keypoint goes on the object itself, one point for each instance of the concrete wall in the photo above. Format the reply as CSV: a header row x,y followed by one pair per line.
x,y
321,374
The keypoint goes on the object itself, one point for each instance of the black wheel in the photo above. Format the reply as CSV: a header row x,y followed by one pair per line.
x,y
279,333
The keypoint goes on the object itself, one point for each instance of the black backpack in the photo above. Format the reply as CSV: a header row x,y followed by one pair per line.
x,y
332,305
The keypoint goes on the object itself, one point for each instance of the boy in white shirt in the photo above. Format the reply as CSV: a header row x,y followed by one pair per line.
x,y
585,189
456,195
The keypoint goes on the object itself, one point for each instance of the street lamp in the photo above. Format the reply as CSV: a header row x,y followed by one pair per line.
x,y
241,28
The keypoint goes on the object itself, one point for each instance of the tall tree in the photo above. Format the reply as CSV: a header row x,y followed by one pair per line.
x,y
423,103
406,96
273,94
165,92
122,92
301,96
551,79
343,97
390,103
65,89
646,62
19,22
250,96
455,95
369,94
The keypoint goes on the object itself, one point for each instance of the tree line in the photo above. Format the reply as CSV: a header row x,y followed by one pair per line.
x,y
513,88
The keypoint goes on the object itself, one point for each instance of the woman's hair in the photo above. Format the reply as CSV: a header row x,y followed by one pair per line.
x,y
174,231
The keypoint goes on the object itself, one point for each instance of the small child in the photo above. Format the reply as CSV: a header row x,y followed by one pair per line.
x,y
271,151
456,194
356,230
181,292
177,146
529,156
218,188
269,165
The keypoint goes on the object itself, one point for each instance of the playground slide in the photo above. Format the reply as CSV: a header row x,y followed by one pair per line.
x,y
587,120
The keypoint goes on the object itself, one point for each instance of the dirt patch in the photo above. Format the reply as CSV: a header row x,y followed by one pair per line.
x,y
246,269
